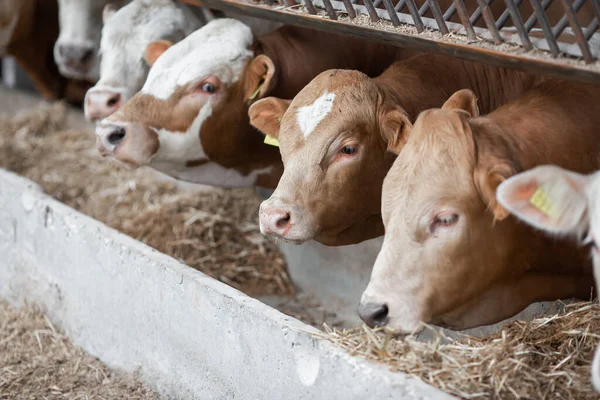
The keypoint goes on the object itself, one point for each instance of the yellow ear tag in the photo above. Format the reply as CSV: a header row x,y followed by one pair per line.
x,y
257,91
270,140
541,201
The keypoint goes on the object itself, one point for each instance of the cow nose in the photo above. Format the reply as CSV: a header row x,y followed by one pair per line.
x,y
75,55
109,137
101,103
374,314
276,221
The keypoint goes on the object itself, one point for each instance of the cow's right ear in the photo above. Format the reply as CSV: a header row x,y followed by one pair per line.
x,y
395,128
265,115
109,10
464,100
548,198
155,50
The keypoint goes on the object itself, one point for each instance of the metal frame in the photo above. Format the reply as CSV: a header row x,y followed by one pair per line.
x,y
522,46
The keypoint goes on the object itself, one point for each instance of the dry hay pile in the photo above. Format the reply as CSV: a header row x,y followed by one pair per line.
x,y
214,231
546,358
37,361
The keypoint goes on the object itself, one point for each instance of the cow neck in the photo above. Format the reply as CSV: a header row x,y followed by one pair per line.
x,y
299,58
427,81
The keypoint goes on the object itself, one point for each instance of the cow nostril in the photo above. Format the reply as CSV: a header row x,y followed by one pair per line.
x,y
87,56
380,316
113,100
116,137
61,50
283,222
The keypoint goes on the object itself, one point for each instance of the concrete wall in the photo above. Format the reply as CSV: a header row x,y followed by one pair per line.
x,y
189,336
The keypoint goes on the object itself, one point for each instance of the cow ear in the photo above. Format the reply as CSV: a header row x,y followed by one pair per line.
x,y
109,10
548,198
395,128
265,115
464,100
155,50
260,78
487,179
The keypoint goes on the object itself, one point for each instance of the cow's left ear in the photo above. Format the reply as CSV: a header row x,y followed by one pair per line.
x,y
155,50
265,115
260,78
548,198
464,100
395,128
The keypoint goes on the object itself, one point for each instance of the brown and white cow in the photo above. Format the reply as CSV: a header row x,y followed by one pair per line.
x,y
28,29
126,35
562,203
335,135
451,254
190,119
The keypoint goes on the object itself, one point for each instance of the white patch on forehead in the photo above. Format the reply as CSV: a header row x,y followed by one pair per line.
x,y
308,117
220,48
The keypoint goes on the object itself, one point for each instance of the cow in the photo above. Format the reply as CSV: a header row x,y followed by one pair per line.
x,y
130,38
562,203
76,50
28,29
190,120
335,135
452,255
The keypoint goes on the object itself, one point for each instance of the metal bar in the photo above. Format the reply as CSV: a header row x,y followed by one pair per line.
x,y
349,9
596,8
439,18
543,19
464,18
530,23
591,29
390,9
310,7
376,3
583,44
477,14
400,5
562,24
371,10
424,8
515,15
330,11
450,12
412,8
504,17
488,17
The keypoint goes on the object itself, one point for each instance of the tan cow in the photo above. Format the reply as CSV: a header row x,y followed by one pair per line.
x,y
561,203
451,254
336,133
28,29
190,119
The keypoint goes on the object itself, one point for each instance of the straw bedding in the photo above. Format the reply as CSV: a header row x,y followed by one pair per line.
x,y
39,362
212,230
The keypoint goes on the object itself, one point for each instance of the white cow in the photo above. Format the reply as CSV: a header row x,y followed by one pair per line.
x,y
562,203
76,50
130,38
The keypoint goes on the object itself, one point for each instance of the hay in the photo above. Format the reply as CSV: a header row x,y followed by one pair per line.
x,y
39,362
546,358
215,231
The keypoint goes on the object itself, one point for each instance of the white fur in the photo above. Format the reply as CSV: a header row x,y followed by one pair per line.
x,y
127,33
220,48
80,24
308,117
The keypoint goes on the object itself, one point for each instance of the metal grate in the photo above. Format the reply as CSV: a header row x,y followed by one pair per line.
x,y
555,37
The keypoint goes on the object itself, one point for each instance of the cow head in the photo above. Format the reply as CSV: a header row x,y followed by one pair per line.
x,y
334,141
446,241
190,119
76,50
561,203
126,49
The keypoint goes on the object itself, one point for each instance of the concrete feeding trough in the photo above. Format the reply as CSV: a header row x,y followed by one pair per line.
x,y
187,335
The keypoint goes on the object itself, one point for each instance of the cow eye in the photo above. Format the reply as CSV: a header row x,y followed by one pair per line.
x,y
208,87
349,150
443,220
